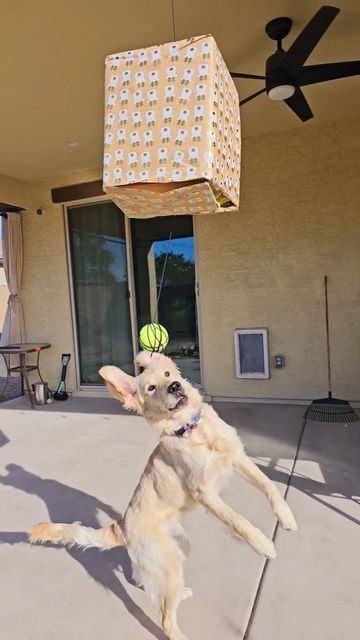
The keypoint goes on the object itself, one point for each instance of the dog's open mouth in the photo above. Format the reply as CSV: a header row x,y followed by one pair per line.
x,y
181,401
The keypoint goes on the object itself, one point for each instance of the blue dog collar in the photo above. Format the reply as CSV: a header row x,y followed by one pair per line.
x,y
186,430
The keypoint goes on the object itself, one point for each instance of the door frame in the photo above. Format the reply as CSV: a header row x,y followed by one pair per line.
x,y
132,293
199,310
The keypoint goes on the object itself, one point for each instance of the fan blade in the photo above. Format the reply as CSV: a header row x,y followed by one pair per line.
x,y
253,95
298,104
251,76
300,50
324,72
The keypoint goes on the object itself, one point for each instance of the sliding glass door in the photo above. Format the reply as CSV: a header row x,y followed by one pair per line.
x,y
165,280
162,287
100,285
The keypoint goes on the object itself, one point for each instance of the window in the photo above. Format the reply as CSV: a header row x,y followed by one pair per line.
x,y
4,292
251,353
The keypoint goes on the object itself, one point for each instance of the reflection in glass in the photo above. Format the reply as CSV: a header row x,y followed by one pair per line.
x,y
98,253
164,268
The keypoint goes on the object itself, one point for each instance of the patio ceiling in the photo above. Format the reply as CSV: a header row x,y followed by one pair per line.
x,y
52,63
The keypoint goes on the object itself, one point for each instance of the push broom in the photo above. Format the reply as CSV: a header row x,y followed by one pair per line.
x,y
330,409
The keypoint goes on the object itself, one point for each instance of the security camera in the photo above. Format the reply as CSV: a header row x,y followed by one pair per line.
x,y
40,211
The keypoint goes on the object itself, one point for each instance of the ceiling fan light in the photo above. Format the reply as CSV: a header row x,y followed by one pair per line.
x,y
281,92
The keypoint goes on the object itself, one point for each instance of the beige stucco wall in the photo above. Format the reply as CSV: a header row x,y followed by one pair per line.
x,y
263,267
13,191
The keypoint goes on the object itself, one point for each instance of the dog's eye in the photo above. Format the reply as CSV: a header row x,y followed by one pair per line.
x,y
151,387
167,374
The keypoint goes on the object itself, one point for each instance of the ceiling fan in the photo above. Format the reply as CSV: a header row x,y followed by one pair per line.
x,y
285,73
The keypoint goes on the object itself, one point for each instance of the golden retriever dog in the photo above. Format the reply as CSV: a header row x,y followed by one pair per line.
x,y
196,453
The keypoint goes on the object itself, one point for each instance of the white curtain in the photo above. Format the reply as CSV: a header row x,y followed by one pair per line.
x,y
14,327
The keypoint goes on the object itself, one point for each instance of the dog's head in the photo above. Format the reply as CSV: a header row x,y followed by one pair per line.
x,y
158,393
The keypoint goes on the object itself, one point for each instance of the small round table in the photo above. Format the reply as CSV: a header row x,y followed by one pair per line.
x,y
22,350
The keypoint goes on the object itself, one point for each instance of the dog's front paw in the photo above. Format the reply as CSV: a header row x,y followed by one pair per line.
x,y
285,517
262,545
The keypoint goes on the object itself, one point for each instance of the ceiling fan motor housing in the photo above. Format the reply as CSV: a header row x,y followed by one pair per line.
x,y
274,76
278,28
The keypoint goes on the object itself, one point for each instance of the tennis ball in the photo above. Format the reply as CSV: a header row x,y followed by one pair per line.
x,y
153,337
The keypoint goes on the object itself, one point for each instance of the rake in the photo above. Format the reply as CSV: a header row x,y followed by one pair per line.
x,y
330,409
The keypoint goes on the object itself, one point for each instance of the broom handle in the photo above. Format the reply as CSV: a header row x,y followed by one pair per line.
x,y
327,335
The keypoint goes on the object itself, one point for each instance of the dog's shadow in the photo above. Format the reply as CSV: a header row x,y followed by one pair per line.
x,y
67,504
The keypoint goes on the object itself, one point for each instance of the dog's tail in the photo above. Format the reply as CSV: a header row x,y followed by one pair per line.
x,y
76,534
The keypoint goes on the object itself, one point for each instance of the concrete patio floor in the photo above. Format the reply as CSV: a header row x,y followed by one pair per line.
x,y
81,460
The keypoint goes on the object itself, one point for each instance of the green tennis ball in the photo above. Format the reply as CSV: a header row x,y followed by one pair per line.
x,y
153,337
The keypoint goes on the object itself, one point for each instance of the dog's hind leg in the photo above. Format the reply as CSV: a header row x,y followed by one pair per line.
x,y
158,566
248,470
170,601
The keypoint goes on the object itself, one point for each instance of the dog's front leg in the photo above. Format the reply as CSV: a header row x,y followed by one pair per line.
x,y
248,470
237,523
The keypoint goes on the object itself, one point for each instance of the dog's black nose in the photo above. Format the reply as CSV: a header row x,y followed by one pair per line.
x,y
174,387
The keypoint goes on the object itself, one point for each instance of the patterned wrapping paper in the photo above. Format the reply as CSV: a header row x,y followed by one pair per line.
x,y
172,130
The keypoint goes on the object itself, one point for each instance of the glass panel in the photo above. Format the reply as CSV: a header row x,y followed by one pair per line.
x,y
164,268
251,353
4,292
98,252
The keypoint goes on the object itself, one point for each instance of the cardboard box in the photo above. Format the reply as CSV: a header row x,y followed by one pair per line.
x,y
172,130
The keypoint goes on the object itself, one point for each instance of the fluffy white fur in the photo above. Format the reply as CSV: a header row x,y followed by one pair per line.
x,y
180,474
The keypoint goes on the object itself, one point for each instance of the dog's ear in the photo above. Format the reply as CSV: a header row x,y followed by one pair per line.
x,y
123,387
150,359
